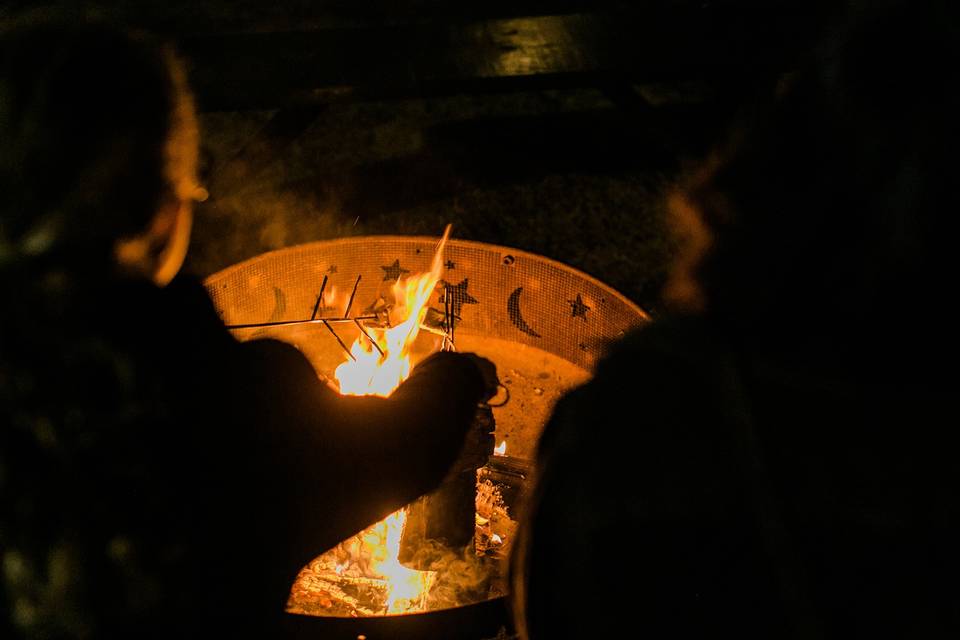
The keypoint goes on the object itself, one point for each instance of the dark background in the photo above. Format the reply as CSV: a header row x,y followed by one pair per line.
x,y
555,126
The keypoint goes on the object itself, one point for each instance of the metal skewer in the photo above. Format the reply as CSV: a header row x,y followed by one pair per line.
x,y
316,307
346,312
345,348
372,341
290,323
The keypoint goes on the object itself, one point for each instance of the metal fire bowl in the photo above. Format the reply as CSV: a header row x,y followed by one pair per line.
x,y
480,621
543,323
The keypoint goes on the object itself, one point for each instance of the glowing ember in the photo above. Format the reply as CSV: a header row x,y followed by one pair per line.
x,y
369,372
500,449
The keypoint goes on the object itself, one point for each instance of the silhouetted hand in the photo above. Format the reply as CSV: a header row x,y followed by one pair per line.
x,y
488,370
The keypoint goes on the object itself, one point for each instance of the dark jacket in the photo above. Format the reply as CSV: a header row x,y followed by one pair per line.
x,y
706,486
158,478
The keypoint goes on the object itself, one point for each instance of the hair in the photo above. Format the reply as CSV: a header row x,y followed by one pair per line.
x,y
834,196
97,133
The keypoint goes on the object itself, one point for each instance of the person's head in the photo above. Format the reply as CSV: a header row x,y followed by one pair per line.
x,y
832,203
98,150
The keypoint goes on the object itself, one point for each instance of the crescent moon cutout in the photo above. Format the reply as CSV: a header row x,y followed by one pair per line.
x,y
279,307
513,310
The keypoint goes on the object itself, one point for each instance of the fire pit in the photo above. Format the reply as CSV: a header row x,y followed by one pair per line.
x,y
543,323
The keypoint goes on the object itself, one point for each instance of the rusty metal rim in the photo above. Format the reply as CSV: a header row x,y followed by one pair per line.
x,y
468,622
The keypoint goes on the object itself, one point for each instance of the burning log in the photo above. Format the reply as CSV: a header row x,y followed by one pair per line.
x,y
499,496
447,517
508,475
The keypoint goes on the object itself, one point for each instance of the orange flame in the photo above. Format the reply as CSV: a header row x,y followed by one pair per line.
x,y
369,372
406,588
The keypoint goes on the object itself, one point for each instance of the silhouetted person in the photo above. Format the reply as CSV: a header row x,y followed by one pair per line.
x,y
158,478
776,459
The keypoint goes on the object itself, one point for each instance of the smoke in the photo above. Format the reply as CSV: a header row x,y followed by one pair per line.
x,y
463,577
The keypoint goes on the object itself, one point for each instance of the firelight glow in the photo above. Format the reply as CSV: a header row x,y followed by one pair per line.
x,y
330,297
370,373
500,449
406,588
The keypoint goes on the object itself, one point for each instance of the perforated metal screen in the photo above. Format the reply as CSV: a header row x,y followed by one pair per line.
x,y
496,291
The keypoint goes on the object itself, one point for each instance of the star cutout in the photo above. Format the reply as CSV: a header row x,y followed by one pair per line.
x,y
450,264
332,269
458,296
579,309
393,272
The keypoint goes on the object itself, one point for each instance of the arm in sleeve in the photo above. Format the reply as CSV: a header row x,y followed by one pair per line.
x,y
339,463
